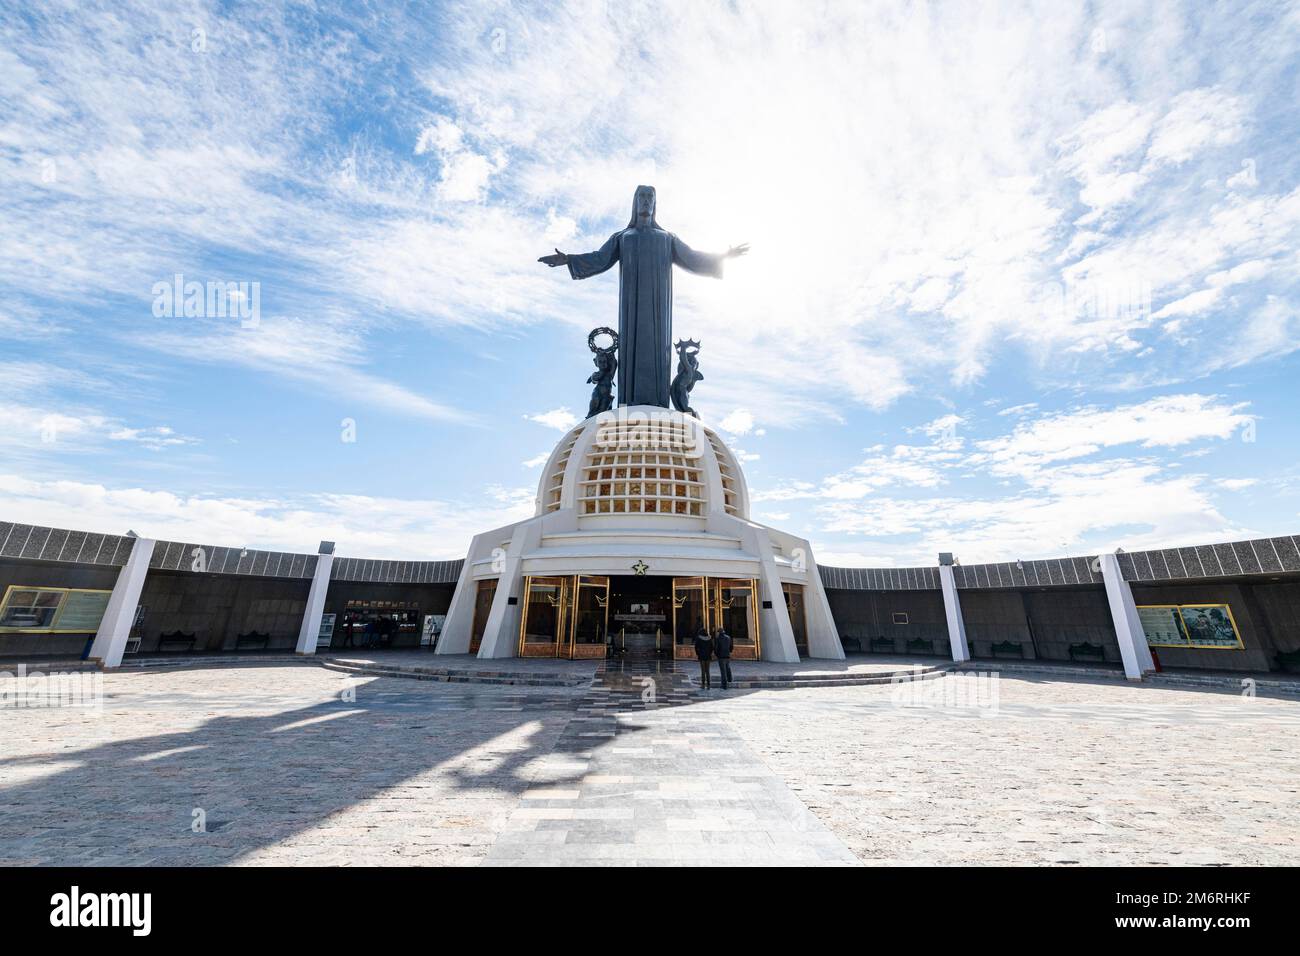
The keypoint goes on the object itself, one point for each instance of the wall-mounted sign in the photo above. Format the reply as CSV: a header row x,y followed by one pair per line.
x,y
1209,626
82,611
432,629
53,610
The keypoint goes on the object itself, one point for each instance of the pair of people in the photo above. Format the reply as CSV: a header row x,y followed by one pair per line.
x,y
708,647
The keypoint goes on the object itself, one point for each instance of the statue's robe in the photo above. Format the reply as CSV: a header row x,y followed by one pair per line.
x,y
645,257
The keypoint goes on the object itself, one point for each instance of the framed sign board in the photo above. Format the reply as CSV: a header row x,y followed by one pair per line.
x,y
53,610
1207,626
432,629
326,636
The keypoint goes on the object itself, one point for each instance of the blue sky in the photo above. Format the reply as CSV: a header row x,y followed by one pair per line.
x,y
1023,279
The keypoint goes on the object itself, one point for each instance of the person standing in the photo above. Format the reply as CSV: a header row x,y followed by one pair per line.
x,y
722,651
704,651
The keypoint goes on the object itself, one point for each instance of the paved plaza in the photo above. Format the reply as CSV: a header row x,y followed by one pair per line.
x,y
297,763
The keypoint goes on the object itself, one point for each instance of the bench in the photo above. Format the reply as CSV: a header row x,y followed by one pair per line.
x,y
1289,661
1085,650
176,639
856,642
882,645
253,639
920,645
1006,649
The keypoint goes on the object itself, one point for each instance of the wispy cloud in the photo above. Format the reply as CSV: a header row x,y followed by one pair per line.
x,y
362,525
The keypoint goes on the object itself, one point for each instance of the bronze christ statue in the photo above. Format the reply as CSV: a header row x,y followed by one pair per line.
x,y
645,254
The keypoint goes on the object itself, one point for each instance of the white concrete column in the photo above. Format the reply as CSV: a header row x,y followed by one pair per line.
x,y
501,633
774,622
952,611
315,610
1133,649
457,630
115,626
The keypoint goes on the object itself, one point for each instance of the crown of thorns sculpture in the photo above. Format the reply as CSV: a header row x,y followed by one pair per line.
x,y
603,330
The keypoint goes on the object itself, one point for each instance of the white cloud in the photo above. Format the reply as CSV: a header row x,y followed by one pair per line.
x,y
944,429
1163,422
1203,300
1237,484
1066,491
1019,410
903,466
1193,304
1197,119
739,422
1082,506
561,418
325,354
363,526
47,430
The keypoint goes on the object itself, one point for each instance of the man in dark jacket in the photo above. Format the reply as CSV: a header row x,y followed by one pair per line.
x,y
722,651
704,651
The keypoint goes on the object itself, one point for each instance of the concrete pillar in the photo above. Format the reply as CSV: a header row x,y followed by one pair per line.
x,y
457,630
501,633
1133,649
115,626
315,610
773,622
952,611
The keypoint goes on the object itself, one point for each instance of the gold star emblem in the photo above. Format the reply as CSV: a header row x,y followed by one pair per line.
x,y
640,567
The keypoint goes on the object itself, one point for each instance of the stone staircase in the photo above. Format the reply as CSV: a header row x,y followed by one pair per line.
x,y
829,678
454,676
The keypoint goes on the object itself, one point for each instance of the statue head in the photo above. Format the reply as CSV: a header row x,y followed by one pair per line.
x,y
643,207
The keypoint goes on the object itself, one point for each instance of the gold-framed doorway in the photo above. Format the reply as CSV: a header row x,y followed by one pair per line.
x,y
712,603
564,616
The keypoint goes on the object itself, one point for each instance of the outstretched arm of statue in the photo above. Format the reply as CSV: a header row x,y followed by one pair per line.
x,y
587,264
704,263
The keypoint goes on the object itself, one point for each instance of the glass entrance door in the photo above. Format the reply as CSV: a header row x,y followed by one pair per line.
x,y
712,603
564,616
542,630
736,609
690,614
590,617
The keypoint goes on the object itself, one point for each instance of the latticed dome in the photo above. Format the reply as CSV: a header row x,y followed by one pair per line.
x,y
640,462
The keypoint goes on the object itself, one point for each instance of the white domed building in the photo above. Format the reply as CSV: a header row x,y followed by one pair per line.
x,y
641,536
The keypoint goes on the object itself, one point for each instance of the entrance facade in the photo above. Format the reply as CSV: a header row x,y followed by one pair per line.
x,y
582,616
